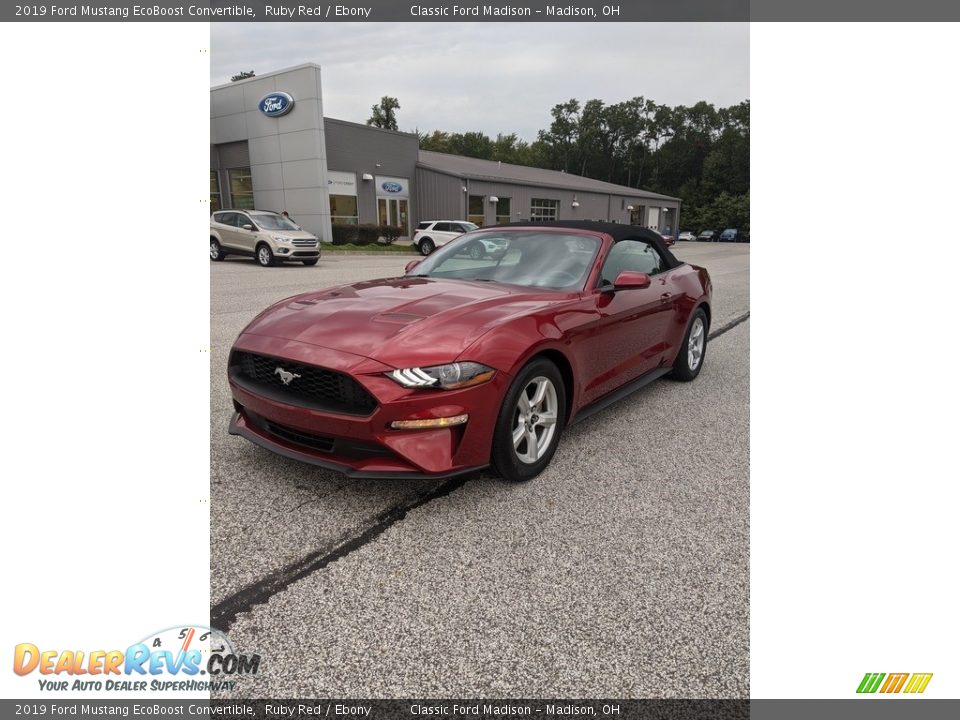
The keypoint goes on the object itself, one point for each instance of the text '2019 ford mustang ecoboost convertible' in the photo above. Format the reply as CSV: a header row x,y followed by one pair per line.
x,y
470,359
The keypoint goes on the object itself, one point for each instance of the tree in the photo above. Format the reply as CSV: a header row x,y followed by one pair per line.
x,y
384,114
243,75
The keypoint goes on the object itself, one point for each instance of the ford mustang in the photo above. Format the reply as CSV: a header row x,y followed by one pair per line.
x,y
468,362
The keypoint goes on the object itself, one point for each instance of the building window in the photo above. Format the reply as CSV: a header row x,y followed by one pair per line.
x,y
503,211
214,191
542,210
241,188
343,210
475,210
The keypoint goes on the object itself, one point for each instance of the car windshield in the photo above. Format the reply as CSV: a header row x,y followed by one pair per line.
x,y
554,260
275,222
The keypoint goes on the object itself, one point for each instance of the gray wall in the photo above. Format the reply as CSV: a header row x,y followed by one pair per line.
x,y
287,155
363,149
441,198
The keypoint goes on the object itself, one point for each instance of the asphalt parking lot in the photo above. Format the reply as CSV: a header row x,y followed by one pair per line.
x,y
622,571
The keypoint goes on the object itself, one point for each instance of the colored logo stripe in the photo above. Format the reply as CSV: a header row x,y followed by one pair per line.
x,y
918,683
894,682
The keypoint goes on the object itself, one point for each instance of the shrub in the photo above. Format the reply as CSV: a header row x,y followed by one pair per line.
x,y
367,234
390,233
344,234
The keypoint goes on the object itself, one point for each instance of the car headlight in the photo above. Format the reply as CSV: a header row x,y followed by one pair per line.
x,y
449,377
278,238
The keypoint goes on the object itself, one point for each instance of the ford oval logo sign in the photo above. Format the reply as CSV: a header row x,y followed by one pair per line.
x,y
392,187
276,104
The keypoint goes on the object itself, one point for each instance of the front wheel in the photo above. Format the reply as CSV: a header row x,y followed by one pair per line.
x,y
693,350
265,256
530,422
426,246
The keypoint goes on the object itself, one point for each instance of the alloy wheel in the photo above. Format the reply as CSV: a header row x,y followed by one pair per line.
x,y
535,420
695,344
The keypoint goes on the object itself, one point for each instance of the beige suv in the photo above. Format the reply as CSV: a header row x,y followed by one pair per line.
x,y
266,236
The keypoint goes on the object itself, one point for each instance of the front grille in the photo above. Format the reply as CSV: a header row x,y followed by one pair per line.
x,y
305,243
315,442
315,387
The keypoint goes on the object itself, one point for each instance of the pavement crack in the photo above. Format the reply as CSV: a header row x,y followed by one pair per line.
x,y
729,326
224,614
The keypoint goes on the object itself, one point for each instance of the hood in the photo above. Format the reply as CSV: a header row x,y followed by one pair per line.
x,y
292,234
400,321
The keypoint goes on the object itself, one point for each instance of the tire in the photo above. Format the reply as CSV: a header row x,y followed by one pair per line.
x,y
265,255
311,262
511,459
687,357
426,246
216,252
476,251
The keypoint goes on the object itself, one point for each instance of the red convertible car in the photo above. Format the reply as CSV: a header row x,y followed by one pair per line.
x,y
470,360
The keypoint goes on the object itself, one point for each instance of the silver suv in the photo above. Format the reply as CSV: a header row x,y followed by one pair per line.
x,y
268,237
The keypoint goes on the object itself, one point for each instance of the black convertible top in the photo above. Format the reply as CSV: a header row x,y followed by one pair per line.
x,y
615,230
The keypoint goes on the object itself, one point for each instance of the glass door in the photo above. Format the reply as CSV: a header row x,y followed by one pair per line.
x,y
394,211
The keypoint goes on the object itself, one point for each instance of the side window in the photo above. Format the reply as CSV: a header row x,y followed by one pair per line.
x,y
442,227
229,219
634,255
244,220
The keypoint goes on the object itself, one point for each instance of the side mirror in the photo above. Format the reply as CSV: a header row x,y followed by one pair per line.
x,y
411,265
631,279
248,226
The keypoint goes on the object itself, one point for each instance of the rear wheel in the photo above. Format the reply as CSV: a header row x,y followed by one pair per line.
x,y
693,350
426,246
265,256
476,251
216,253
530,422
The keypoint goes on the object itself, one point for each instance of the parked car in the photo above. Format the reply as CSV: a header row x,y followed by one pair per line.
x,y
432,234
734,235
708,236
687,235
268,237
467,363
668,238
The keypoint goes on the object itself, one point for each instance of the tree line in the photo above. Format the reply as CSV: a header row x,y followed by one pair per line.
x,y
699,153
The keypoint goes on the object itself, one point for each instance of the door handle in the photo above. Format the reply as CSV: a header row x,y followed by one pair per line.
x,y
665,298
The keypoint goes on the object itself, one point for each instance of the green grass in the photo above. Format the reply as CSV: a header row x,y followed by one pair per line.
x,y
378,248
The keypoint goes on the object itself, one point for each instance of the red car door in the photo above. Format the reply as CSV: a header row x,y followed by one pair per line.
x,y
631,332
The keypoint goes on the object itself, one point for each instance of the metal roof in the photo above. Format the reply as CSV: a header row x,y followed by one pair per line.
x,y
495,171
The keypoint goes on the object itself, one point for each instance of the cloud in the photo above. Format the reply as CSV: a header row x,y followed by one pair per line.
x,y
493,77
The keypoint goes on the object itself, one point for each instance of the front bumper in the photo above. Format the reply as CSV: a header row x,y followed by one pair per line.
x,y
366,446
285,252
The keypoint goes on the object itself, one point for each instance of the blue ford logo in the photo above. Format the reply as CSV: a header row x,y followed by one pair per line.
x,y
276,104
392,187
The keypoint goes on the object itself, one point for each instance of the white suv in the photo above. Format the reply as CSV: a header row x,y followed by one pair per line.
x,y
432,234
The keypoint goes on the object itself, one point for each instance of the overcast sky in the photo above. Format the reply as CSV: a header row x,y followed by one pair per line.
x,y
493,77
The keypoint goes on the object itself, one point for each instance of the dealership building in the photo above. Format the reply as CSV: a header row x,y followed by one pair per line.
x,y
271,148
